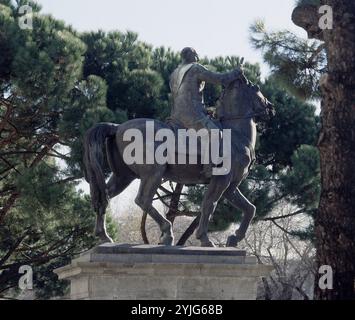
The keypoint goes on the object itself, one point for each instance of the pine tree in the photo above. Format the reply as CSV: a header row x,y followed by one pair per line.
x,y
44,106
324,67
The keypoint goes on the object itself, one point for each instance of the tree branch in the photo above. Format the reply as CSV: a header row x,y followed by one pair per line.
x,y
285,216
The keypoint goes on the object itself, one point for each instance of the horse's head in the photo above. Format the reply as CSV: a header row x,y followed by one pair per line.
x,y
243,100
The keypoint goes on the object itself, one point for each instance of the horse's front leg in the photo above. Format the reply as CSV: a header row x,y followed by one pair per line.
x,y
214,192
239,201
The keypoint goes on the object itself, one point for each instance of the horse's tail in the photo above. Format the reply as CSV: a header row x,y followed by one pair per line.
x,y
94,162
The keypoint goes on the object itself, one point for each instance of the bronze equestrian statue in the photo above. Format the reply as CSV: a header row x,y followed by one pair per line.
x,y
240,105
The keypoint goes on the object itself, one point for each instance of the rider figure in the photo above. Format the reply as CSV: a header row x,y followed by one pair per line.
x,y
187,83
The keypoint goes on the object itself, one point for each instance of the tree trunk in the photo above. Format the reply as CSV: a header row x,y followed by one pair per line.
x,y
335,220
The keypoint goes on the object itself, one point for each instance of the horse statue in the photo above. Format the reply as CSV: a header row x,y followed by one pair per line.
x,y
240,106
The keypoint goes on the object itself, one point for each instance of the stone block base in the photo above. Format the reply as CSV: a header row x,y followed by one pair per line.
x,y
141,272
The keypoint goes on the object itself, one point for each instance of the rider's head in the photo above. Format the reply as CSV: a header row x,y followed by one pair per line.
x,y
189,55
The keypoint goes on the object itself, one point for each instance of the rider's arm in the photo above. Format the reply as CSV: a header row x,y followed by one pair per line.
x,y
215,77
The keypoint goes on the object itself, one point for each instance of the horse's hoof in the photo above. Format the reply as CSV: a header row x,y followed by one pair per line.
x,y
105,239
232,241
207,244
167,240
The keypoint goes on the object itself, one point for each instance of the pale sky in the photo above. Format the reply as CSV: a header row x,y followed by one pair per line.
x,y
212,27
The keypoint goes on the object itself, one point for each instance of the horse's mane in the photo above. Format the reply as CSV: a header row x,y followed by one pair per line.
x,y
223,99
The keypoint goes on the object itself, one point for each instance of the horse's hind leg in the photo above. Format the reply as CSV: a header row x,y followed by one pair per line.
x,y
239,201
144,199
115,186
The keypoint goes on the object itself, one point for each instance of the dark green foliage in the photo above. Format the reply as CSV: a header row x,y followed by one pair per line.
x,y
125,64
301,181
295,63
294,124
45,106
164,61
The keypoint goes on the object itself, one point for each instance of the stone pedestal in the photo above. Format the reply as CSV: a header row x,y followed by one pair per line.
x,y
143,272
